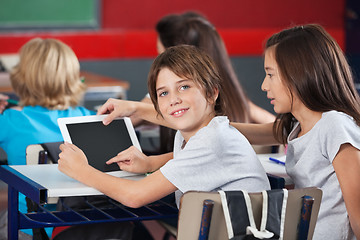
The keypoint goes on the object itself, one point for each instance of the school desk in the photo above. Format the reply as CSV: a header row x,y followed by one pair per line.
x,y
100,88
273,167
41,183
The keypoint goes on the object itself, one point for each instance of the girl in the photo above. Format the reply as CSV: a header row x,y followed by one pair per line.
x,y
309,82
209,154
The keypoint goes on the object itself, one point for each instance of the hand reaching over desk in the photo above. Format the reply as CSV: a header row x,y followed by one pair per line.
x,y
135,110
3,102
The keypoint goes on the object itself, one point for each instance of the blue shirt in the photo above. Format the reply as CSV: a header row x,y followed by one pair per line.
x,y
31,125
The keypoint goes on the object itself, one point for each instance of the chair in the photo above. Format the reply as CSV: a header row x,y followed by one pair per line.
x,y
275,183
42,153
191,210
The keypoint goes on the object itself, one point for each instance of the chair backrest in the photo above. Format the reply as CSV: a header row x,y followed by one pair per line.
x,y
46,152
191,208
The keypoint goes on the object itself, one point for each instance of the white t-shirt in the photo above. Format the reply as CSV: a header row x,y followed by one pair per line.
x,y
309,163
217,157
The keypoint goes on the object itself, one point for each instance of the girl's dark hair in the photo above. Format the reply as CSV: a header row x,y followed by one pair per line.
x,y
314,68
192,28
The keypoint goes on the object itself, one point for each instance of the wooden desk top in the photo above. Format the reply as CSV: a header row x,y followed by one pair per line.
x,y
91,80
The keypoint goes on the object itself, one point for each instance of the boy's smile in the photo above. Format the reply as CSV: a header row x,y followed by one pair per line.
x,y
182,103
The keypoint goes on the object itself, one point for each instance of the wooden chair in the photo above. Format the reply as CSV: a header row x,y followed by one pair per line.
x,y
45,153
42,153
275,183
191,211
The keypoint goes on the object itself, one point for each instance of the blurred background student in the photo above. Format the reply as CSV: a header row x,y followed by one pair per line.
x,y
192,28
47,82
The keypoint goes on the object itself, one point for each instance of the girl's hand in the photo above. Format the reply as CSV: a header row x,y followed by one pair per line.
x,y
116,108
3,102
72,160
132,160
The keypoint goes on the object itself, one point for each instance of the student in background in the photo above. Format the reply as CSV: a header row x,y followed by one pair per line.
x,y
47,82
193,29
310,84
186,91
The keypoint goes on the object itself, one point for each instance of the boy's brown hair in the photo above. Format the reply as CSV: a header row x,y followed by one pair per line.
x,y
191,63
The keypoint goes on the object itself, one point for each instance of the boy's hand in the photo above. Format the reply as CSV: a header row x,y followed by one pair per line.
x,y
72,160
132,160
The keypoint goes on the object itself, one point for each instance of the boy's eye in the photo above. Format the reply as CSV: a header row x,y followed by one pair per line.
x,y
161,94
184,87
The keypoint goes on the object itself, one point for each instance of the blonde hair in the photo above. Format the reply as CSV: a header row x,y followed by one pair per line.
x,y
47,75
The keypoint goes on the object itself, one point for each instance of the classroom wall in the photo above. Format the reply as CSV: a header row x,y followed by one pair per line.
x,y
122,42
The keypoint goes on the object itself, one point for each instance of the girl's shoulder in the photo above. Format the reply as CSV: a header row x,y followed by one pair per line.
x,y
334,122
335,118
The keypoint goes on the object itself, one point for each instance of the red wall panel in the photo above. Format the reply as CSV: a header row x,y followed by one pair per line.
x,y
144,14
127,26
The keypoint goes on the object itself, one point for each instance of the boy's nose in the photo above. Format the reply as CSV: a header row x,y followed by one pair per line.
x,y
175,99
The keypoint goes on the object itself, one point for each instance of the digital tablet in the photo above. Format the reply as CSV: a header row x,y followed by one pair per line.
x,y
99,142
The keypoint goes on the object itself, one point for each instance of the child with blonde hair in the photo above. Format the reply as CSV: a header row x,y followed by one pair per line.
x,y
47,82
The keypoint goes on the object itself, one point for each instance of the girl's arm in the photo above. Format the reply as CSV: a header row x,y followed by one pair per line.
x,y
257,134
132,160
137,110
131,193
347,168
260,115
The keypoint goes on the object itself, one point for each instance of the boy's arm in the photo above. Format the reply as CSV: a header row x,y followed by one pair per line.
x,y
347,168
132,160
258,134
131,193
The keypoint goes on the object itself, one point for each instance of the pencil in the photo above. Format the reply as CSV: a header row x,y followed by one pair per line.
x,y
12,101
276,160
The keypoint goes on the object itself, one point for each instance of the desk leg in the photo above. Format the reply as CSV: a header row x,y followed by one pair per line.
x,y
13,214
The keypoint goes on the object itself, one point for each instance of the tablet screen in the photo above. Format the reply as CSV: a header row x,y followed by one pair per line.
x,y
99,142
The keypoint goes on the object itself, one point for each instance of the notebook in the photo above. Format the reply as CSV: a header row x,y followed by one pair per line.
x,y
99,142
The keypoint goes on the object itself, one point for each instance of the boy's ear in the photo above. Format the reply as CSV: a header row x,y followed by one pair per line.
x,y
214,96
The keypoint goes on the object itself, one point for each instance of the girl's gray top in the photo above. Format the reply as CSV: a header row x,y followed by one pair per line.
x,y
309,163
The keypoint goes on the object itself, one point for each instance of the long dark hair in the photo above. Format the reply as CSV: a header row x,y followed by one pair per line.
x,y
193,29
315,69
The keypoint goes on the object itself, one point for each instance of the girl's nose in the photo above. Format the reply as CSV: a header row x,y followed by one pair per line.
x,y
264,86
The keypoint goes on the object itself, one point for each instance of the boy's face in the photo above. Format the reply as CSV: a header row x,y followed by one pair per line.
x,y
182,103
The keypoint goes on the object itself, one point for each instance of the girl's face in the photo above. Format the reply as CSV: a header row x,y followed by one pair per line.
x,y
182,103
159,46
276,90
